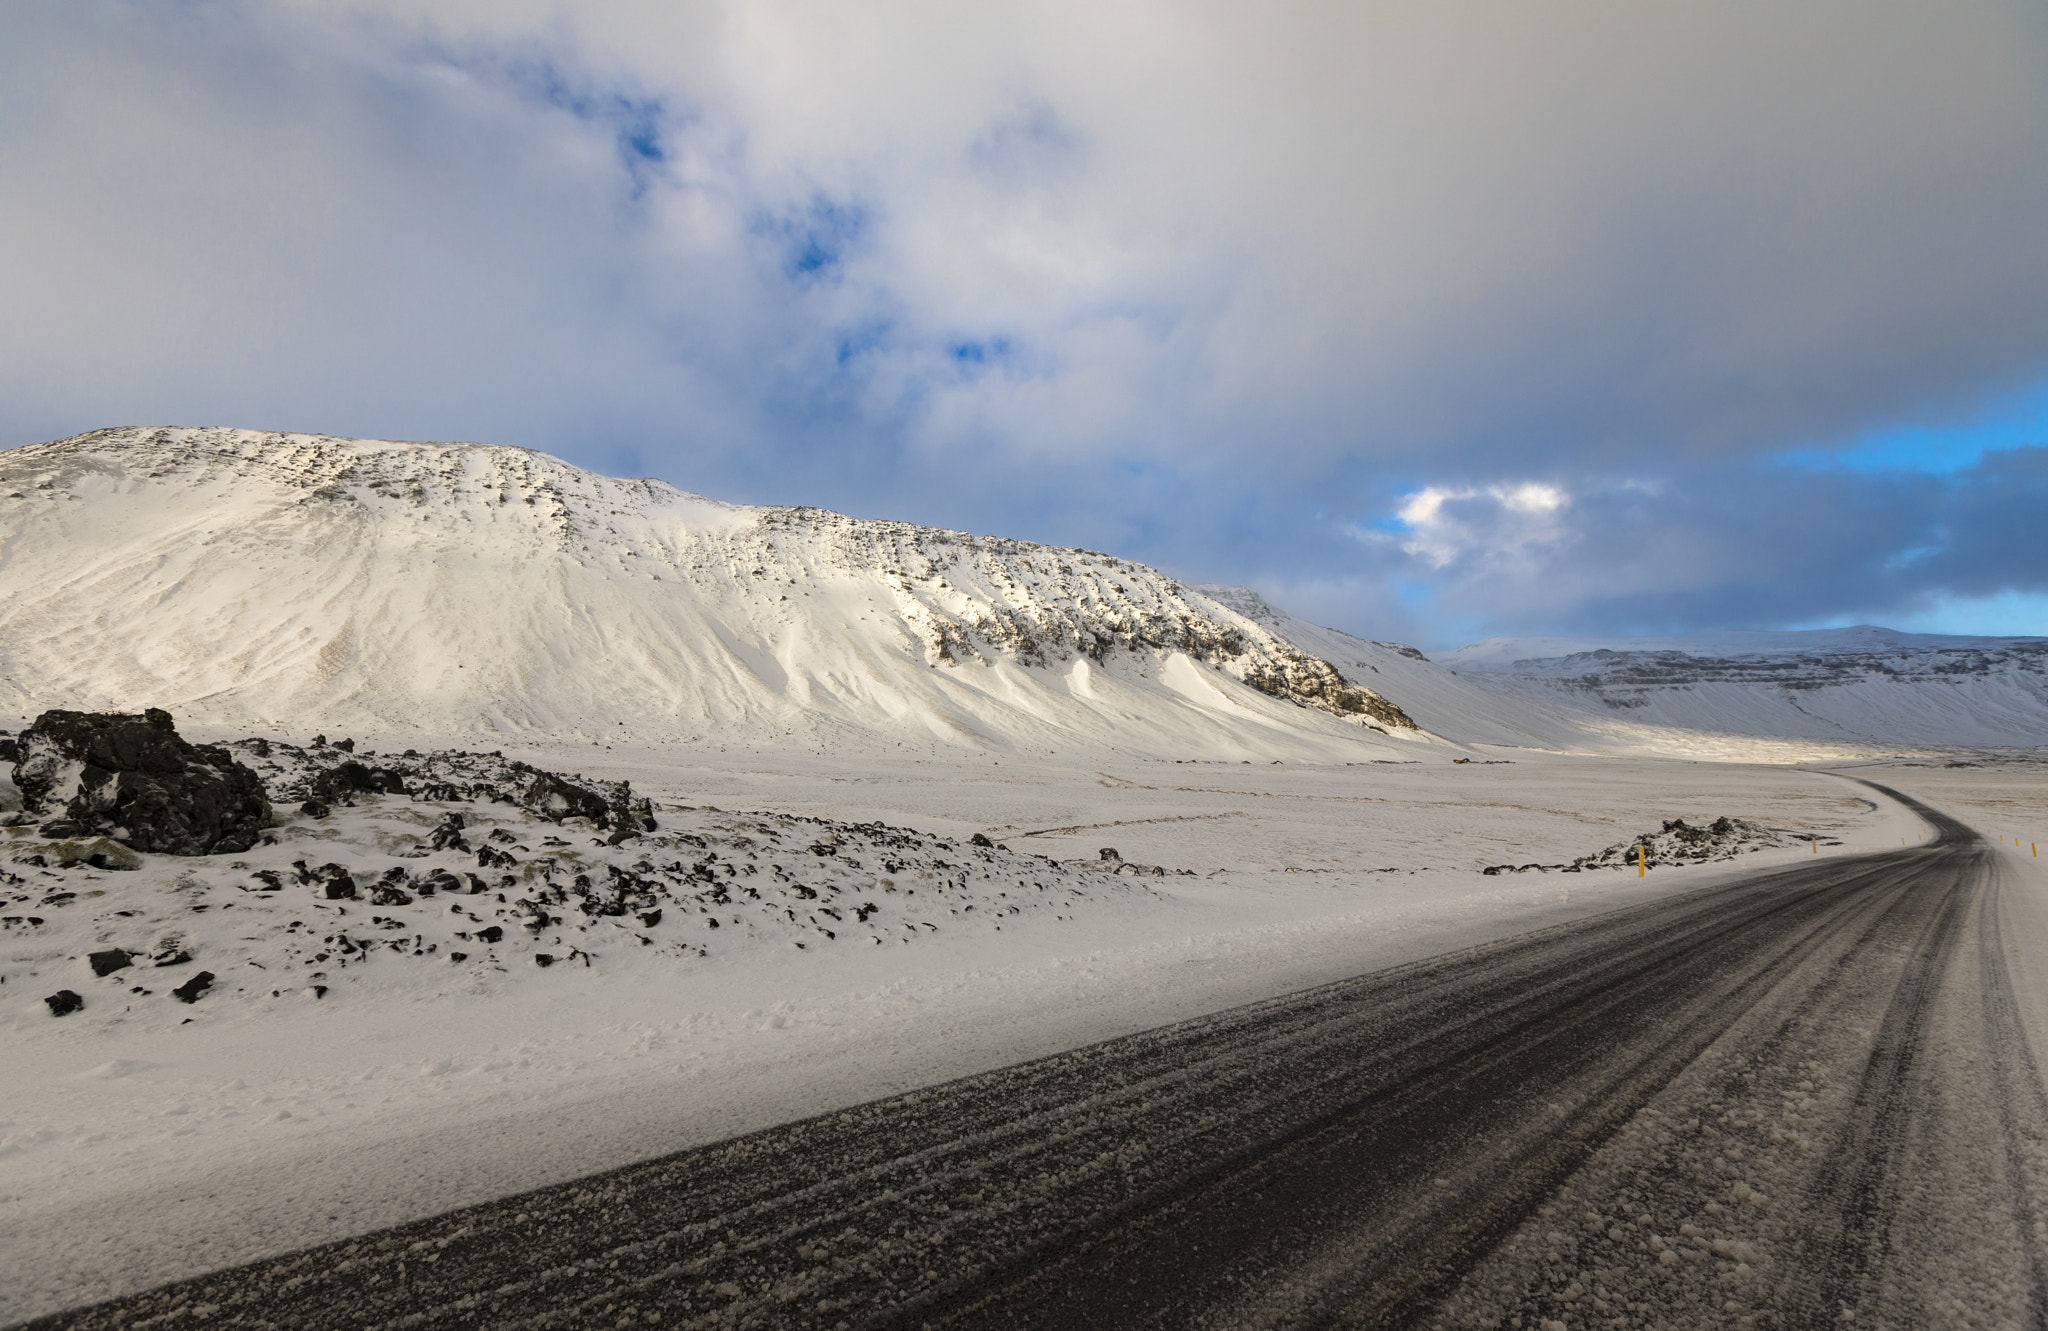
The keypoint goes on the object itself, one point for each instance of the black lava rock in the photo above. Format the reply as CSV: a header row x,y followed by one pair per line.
x,y
340,889
981,840
189,991
493,933
352,777
448,836
315,809
109,961
108,770
543,960
63,1003
551,795
387,894
440,880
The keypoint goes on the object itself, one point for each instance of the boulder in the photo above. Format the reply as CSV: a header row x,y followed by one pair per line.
x,y
189,991
344,779
109,961
63,1003
135,778
551,795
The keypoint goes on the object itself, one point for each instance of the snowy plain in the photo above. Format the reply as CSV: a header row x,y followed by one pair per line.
x,y
145,1139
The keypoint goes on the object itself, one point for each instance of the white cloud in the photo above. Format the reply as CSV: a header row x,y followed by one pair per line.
x,y
963,262
1511,526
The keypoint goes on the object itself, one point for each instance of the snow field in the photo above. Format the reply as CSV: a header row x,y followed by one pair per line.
x,y
135,1147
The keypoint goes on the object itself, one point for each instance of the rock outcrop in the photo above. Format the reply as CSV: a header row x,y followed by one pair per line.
x,y
134,779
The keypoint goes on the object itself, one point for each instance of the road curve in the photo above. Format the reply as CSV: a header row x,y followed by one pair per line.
x,y
1780,1102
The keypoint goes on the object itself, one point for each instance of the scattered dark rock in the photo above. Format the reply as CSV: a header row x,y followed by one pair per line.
x,y
352,777
345,745
440,880
448,835
551,795
543,960
63,1003
1109,853
492,933
189,991
257,745
650,918
315,809
10,751
341,888
622,835
981,839
109,961
389,894
134,775
458,956
172,956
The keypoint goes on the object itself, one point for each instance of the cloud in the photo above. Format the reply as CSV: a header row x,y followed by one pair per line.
x,y
1209,284
1723,545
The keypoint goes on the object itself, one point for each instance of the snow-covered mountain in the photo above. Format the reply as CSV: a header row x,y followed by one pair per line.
x,y
1440,700
1861,683
301,581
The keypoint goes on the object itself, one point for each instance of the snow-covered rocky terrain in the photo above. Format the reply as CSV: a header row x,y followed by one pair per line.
x,y
863,806
1862,684
282,581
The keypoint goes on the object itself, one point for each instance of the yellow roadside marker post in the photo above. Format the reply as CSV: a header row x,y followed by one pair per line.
x,y
1641,865
1816,845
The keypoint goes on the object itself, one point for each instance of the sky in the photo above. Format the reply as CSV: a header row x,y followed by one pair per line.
x,y
1430,321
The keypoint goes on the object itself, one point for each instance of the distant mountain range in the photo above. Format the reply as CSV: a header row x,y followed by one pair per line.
x,y
1861,683
293,582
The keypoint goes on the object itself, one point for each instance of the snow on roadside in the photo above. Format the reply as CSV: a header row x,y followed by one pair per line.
x,y
137,1147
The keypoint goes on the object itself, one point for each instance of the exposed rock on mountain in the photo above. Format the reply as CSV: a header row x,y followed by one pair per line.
x,y
133,777
454,588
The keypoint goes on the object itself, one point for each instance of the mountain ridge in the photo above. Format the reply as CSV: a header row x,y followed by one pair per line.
x,y
1864,683
308,579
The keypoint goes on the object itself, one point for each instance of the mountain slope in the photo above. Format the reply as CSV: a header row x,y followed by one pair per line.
x,y
1862,683
306,581
1438,699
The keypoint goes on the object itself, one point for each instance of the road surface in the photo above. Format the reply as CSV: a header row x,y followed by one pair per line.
x,y
1795,1100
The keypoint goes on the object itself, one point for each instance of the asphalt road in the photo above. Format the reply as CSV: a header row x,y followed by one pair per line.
x,y
1797,1098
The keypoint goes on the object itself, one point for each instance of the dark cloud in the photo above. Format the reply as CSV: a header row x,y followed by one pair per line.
x,y
1221,288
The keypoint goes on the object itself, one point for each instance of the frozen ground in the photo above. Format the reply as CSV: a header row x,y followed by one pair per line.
x,y
144,1138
